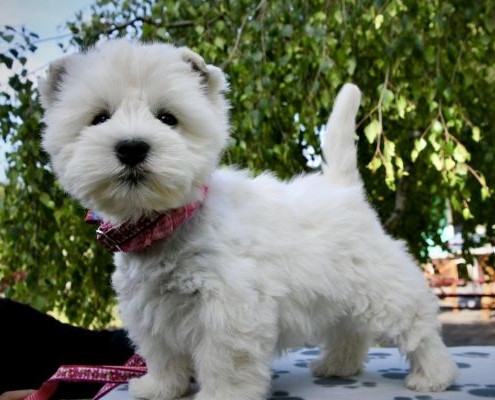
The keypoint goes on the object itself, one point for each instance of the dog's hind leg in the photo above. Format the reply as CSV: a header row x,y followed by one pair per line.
x,y
431,366
344,352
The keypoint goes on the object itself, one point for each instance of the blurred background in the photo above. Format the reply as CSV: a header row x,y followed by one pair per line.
x,y
426,132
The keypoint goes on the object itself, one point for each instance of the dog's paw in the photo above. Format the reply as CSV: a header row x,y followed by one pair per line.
x,y
228,395
142,388
324,368
435,373
420,383
147,388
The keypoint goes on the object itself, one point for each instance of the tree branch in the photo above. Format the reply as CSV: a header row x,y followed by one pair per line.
x,y
400,200
175,24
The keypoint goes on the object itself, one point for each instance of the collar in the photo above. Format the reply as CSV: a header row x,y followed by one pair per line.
x,y
134,237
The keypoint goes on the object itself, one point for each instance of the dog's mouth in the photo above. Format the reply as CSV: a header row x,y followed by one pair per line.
x,y
133,177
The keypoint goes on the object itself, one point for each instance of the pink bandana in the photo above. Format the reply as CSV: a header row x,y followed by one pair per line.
x,y
134,237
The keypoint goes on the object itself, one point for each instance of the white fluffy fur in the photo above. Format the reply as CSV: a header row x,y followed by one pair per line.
x,y
264,264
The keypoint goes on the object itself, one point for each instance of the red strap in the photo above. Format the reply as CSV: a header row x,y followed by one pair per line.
x,y
110,375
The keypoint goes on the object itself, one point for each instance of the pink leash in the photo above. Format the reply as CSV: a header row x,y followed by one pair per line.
x,y
110,375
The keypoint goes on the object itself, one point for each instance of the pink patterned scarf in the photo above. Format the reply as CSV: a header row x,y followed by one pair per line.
x,y
134,237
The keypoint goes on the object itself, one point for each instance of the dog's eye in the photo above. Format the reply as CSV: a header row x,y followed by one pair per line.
x,y
100,118
167,118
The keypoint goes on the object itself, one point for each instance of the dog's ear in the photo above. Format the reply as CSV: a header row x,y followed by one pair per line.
x,y
212,77
49,87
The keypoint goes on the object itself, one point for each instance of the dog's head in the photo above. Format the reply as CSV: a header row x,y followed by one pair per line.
x,y
133,128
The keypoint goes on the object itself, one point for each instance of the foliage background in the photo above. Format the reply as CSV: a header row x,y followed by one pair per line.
x,y
426,133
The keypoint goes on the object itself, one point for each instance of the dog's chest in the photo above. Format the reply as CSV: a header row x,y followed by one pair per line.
x,y
160,276
156,298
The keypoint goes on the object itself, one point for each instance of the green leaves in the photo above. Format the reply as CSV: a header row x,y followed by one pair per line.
x,y
476,134
373,130
39,223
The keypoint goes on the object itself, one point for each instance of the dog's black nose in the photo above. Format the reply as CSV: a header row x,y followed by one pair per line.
x,y
131,152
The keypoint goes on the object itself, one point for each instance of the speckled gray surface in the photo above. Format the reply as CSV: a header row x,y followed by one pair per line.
x,y
383,378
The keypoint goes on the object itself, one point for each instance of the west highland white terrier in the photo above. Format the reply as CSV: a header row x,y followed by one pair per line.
x,y
218,271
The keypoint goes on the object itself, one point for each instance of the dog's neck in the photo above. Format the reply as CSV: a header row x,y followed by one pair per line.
x,y
133,237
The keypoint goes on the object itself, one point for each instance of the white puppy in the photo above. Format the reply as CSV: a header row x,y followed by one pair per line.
x,y
218,271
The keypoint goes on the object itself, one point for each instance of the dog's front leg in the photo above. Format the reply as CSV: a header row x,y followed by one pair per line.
x,y
167,377
234,357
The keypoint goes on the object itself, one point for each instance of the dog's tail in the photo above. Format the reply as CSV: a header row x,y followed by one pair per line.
x,y
339,150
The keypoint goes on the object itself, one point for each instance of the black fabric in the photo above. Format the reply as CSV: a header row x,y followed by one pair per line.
x,y
34,345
